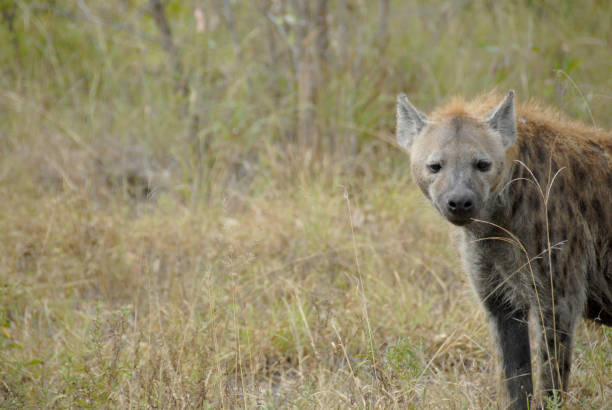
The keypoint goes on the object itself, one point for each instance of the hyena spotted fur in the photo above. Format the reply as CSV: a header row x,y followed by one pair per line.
x,y
529,195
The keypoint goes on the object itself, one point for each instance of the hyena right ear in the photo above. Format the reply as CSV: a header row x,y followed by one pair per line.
x,y
409,122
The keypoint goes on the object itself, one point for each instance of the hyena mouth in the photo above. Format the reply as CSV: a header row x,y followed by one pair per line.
x,y
459,221
459,218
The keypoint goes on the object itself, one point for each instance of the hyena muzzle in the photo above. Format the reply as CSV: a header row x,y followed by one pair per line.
x,y
529,198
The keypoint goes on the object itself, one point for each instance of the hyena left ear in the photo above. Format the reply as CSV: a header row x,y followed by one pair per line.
x,y
502,120
409,122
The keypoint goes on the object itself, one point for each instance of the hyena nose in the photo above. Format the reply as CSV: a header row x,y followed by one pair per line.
x,y
460,205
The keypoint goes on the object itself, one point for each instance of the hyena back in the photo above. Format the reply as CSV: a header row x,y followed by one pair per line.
x,y
529,197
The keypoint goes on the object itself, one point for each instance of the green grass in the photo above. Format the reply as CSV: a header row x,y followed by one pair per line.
x,y
168,250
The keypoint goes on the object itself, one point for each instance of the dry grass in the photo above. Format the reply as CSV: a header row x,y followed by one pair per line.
x,y
144,266
260,303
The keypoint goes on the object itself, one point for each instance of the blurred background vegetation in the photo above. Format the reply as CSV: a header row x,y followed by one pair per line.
x,y
202,204
227,94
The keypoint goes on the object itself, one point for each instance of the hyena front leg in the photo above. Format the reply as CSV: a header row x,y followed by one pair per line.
x,y
511,330
556,347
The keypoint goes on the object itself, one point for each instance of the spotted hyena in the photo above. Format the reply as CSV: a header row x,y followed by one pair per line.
x,y
529,197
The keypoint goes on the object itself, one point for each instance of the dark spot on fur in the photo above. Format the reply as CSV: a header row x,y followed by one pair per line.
x,y
562,290
540,154
517,204
577,244
570,248
570,212
538,229
554,165
554,257
542,262
561,186
597,207
563,233
524,151
582,205
579,172
534,201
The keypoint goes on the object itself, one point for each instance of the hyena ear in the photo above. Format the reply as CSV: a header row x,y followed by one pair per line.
x,y
502,120
409,122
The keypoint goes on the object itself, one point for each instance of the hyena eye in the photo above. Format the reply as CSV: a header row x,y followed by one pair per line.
x,y
435,167
483,166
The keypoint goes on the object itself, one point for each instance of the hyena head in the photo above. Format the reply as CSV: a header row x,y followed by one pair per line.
x,y
458,160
